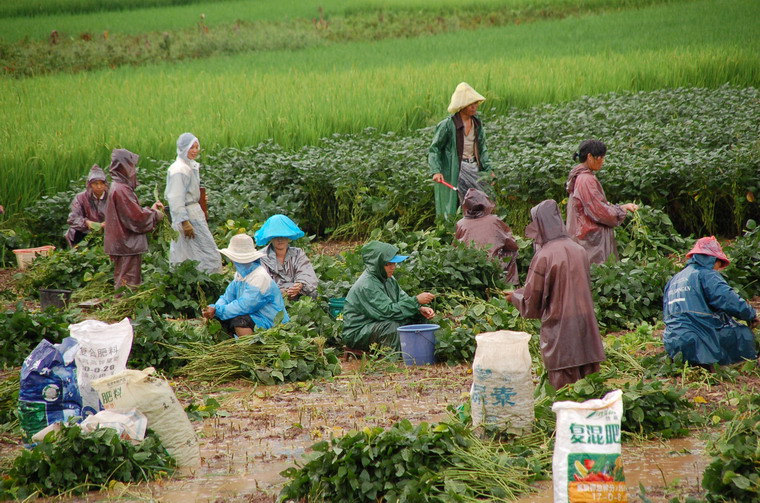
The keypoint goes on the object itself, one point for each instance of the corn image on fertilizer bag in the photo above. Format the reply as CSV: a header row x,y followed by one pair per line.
x,y
587,466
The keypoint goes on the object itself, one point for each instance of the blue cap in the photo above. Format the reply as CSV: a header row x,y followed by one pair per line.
x,y
398,258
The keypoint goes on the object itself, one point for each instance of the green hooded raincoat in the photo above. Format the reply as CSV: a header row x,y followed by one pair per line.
x,y
444,157
376,306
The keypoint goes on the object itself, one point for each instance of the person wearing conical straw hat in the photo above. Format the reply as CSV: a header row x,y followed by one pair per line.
x,y
252,300
458,151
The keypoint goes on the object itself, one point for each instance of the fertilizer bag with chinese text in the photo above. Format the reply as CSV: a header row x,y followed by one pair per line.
x,y
587,466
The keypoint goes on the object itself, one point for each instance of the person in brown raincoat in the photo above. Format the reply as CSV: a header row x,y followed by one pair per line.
x,y
128,223
558,292
88,209
591,220
481,227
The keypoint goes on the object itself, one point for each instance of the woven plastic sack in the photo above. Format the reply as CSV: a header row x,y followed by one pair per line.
x,y
48,391
587,466
103,351
502,384
153,397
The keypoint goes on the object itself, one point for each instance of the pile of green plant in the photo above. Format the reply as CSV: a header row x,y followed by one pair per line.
x,y
155,338
650,408
283,353
21,330
9,387
427,462
67,268
649,234
73,462
733,475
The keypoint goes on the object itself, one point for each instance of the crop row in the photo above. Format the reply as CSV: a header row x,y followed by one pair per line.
x,y
53,128
74,17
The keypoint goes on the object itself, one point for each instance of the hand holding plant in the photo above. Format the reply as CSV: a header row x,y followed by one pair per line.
x,y
425,298
209,312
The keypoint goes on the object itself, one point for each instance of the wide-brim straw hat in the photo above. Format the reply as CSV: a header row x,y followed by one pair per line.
x,y
242,249
464,96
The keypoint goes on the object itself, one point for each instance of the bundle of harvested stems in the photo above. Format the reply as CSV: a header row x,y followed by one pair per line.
x,y
280,354
9,386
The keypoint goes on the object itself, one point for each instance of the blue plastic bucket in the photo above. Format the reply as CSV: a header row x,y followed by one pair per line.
x,y
418,343
336,305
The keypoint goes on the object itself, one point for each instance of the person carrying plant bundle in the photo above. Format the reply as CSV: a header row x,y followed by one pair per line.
x,y
699,308
591,220
558,292
481,228
376,306
252,299
125,237
88,208
183,194
458,150
287,265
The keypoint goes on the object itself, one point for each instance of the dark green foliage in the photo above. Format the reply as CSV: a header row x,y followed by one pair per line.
x,y
402,463
21,330
12,239
628,292
649,408
72,462
733,475
9,388
744,271
313,313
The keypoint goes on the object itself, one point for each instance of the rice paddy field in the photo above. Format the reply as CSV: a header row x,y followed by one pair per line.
x,y
55,126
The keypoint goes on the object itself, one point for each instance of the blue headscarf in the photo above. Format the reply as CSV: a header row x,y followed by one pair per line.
x,y
277,226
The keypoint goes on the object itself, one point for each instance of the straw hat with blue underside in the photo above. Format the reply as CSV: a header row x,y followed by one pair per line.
x,y
277,226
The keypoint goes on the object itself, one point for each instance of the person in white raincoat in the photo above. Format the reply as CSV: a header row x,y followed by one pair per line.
x,y
183,195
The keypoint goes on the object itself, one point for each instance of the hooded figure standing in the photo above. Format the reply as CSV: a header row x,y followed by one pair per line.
x,y
458,151
252,300
558,292
481,227
128,223
88,209
376,306
591,220
287,265
699,308
183,194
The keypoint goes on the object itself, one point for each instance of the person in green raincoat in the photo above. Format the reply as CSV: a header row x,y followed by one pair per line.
x,y
376,306
458,151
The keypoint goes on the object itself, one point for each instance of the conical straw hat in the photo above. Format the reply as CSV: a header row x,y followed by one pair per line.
x,y
464,95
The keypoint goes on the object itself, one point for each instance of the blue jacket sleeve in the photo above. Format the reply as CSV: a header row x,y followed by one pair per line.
x,y
721,297
249,302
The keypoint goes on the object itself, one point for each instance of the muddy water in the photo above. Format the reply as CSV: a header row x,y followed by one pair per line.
x,y
678,462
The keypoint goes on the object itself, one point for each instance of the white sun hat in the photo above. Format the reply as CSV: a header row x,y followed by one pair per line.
x,y
464,95
242,249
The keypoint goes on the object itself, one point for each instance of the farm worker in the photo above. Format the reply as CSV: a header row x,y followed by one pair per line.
x,y
183,195
125,237
481,228
699,308
591,220
375,305
88,209
458,151
252,299
287,265
558,292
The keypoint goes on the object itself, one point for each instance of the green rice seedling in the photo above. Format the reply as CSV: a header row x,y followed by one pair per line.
x,y
54,127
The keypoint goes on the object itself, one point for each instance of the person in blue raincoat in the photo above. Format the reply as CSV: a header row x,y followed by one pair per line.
x,y
287,265
252,300
699,308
